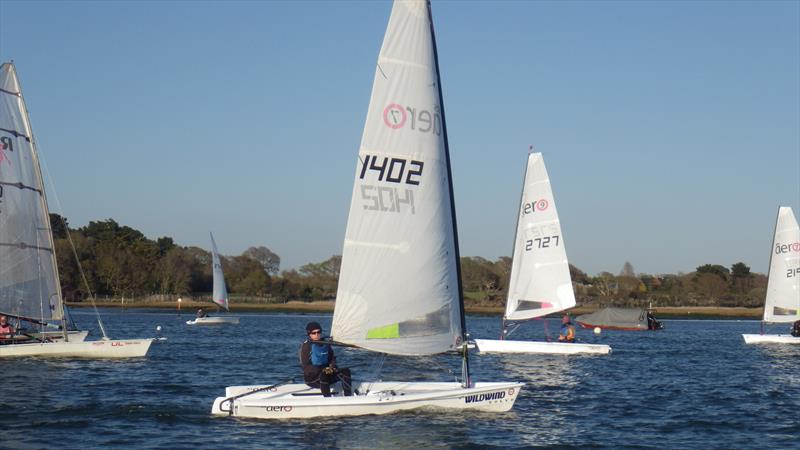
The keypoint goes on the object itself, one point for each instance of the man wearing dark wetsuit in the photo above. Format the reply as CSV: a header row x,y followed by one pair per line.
x,y
319,363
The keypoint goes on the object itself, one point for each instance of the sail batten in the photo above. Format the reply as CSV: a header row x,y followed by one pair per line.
x,y
540,282
398,287
782,303
29,285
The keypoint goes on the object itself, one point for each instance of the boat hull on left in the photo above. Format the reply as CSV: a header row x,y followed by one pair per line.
x,y
557,348
214,320
770,339
123,348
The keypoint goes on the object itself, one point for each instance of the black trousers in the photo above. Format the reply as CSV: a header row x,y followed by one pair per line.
x,y
324,381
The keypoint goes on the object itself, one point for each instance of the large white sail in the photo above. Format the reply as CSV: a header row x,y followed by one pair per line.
x,y
29,284
220,292
783,287
398,286
540,282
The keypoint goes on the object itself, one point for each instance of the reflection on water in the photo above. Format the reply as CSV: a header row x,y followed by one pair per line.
x,y
694,385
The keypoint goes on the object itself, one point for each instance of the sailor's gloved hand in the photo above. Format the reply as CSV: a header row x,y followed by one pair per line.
x,y
328,370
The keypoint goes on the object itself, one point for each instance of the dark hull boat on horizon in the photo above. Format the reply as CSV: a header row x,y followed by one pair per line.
x,y
627,319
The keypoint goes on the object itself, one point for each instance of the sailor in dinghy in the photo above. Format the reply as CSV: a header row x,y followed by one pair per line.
x,y
319,363
399,290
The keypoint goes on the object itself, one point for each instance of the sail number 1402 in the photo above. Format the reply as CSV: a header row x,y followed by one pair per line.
x,y
392,170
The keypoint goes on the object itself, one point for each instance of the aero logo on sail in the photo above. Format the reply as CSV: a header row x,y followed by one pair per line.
x,y
786,248
538,205
397,116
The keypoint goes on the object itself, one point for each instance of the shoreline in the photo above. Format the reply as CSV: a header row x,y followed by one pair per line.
x,y
672,312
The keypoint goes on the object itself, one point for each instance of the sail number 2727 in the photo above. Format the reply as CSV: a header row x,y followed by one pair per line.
x,y
399,172
541,242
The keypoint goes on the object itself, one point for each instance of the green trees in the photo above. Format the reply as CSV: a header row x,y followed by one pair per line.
x,y
118,261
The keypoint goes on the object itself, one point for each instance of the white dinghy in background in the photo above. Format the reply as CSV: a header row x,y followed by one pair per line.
x,y
540,282
782,304
219,294
29,285
399,288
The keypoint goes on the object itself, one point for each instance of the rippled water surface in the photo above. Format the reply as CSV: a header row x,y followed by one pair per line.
x,y
694,385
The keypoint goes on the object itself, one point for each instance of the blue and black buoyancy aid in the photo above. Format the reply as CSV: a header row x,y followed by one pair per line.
x,y
320,354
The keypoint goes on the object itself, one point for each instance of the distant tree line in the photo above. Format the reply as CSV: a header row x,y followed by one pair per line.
x,y
119,261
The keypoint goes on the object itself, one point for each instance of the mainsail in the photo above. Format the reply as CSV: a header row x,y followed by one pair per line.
x,y
540,283
783,287
220,292
399,285
29,284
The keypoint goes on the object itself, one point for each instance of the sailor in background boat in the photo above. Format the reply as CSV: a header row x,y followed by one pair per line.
x,y
319,363
201,314
567,333
6,330
796,329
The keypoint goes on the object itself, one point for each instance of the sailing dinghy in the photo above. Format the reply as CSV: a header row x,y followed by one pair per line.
x,y
540,283
783,285
624,319
399,287
219,293
29,286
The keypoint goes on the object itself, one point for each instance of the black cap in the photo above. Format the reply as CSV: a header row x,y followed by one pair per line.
x,y
313,326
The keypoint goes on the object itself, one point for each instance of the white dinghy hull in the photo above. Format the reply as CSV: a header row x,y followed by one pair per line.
x,y
74,335
557,348
770,339
129,348
215,320
298,401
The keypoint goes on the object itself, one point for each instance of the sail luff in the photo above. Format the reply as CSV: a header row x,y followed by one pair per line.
x,y
457,254
219,294
514,243
782,302
49,233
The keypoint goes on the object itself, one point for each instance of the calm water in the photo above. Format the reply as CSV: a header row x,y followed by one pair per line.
x,y
694,385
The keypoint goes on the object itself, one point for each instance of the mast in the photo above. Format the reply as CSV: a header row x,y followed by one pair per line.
x,y
466,379
514,242
771,251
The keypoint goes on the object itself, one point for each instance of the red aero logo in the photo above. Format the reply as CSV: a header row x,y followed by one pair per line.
x,y
394,116
537,205
786,248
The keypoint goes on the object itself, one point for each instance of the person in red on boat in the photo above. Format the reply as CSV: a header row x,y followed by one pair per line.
x,y
567,330
319,363
6,330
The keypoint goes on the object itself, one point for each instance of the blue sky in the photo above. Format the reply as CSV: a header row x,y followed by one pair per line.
x,y
671,130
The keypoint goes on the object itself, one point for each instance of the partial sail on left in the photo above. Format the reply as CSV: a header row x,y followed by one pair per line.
x,y
220,292
29,284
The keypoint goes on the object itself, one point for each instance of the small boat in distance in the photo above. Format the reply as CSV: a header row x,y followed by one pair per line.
x,y
219,294
399,289
30,290
627,319
782,304
540,283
